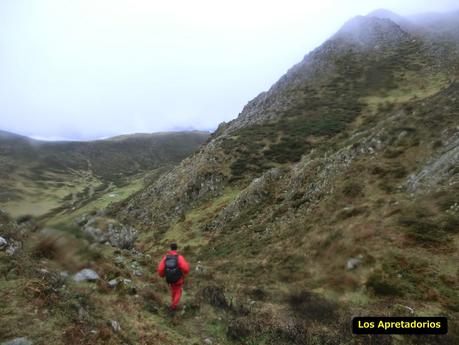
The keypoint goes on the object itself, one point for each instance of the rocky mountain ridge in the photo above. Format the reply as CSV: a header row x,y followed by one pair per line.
x,y
368,56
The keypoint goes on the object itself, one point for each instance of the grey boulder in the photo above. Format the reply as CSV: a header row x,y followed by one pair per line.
x,y
18,341
3,242
86,275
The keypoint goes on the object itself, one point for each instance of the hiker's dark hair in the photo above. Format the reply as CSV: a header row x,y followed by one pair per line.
x,y
173,246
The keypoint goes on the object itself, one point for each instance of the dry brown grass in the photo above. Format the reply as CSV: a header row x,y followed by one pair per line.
x,y
46,248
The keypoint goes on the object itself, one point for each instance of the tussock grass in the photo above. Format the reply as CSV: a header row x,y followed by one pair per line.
x,y
313,307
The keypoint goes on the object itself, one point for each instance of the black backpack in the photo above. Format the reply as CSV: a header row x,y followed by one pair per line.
x,y
172,270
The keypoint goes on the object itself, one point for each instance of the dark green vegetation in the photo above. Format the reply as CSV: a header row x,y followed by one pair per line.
x,y
333,194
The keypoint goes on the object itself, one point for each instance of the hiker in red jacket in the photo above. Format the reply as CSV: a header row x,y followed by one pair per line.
x,y
174,268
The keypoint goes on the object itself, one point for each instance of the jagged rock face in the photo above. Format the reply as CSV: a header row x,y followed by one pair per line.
x,y
110,231
440,170
198,177
255,194
315,176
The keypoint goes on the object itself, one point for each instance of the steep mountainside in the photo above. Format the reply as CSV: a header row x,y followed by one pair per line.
x,y
349,160
369,67
40,175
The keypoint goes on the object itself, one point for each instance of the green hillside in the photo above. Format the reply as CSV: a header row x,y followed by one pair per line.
x,y
39,176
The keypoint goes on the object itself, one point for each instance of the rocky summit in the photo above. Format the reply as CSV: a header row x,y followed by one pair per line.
x,y
335,193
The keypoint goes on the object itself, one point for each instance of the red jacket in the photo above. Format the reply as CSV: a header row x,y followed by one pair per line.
x,y
183,265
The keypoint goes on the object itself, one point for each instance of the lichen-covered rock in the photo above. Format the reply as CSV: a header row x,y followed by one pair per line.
x,y
18,341
214,295
105,230
198,177
257,192
113,283
313,178
13,247
116,327
200,269
443,168
352,263
86,275
3,243
4,218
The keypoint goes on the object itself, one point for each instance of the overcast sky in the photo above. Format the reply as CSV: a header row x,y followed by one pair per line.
x,y
87,69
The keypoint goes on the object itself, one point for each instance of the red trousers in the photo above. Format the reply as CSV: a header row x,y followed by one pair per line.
x,y
176,293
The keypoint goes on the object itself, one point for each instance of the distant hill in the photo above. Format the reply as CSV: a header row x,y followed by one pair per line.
x,y
111,158
64,167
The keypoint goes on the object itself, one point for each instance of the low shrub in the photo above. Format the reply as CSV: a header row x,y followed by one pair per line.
x,y
215,296
352,189
424,226
392,153
383,284
238,329
312,307
24,218
46,248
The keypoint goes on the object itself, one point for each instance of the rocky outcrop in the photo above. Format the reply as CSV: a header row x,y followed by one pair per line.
x,y
256,193
13,247
197,178
4,218
3,243
439,170
313,177
18,341
116,327
110,231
